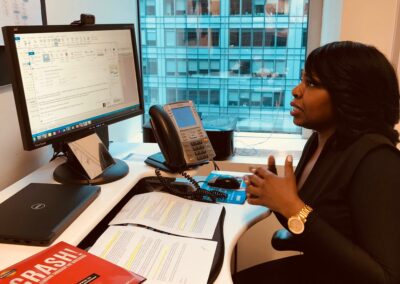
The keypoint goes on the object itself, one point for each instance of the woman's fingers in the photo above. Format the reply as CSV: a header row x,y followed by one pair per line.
x,y
289,166
272,164
251,199
255,180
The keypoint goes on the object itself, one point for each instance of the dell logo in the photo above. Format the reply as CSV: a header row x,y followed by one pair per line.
x,y
38,206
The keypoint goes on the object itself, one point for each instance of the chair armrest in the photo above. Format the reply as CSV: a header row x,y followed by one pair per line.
x,y
284,240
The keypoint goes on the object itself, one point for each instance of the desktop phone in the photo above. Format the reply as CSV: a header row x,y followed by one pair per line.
x,y
181,136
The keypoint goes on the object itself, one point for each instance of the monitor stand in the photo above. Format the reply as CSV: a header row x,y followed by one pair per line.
x,y
72,172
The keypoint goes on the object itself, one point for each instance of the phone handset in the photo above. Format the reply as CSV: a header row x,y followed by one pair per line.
x,y
167,138
180,134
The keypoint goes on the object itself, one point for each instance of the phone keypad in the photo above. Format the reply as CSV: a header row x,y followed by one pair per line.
x,y
198,149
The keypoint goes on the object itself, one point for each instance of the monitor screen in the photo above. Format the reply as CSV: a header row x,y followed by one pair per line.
x,y
69,80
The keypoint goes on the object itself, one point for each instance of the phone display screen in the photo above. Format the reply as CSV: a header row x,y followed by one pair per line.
x,y
184,117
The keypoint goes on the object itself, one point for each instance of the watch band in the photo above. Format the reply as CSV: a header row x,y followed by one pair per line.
x,y
303,214
296,222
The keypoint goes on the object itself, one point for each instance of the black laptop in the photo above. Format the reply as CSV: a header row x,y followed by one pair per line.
x,y
39,213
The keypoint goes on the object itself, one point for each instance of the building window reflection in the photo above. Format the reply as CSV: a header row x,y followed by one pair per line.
x,y
230,57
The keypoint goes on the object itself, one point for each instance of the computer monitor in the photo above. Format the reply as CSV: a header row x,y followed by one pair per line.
x,y
70,80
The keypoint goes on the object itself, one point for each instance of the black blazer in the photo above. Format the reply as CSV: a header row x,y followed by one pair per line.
x,y
354,231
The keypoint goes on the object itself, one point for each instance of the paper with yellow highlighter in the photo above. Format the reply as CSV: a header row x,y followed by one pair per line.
x,y
161,258
171,214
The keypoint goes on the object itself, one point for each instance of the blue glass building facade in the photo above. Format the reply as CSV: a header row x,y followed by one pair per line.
x,y
236,59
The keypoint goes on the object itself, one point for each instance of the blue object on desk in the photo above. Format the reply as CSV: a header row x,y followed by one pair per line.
x,y
235,196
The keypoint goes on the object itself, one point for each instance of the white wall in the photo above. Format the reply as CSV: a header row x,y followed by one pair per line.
x,y
372,22
14,161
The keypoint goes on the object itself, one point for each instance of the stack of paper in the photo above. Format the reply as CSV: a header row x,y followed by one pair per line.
x,y
155,251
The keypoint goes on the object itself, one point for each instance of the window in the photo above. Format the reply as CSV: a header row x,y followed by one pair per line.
x,y
244,67
150,7
281,38
246,37
180,7
304,38
171,95
269,37
152,66
169,7
215,7
278,99
235,7
234,37
170,38
256,68
192,37
180,37
246,7
182,70
214,67
240,58
170,67
151,95
280,68
244,98
233,97
192,67
277,7
214,37
202,7
258,35
214,97
203,97
266,100
258,8
255,99
234,67
203,67
203,39
192,95
151,38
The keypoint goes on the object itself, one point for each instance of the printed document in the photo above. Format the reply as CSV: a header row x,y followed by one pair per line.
x,y
169,213
161,258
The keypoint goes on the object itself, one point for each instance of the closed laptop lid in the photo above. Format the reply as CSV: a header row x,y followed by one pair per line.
x,y
39,213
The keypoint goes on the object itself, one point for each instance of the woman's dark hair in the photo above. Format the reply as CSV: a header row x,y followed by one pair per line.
x,y
363,88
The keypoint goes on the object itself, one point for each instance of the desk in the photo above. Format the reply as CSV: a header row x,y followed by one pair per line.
x,y
238,218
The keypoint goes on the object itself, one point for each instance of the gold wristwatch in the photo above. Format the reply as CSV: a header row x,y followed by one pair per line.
x,y
296,222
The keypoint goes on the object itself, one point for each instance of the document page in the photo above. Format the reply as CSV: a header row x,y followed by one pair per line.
x,y
169,213
159,257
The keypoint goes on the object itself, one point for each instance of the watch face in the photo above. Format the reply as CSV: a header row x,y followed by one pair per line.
x,y
295,225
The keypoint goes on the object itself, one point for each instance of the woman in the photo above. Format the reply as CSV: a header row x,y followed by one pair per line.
x,y
340,207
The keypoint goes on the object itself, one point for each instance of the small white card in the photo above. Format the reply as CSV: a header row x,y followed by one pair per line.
x,y
92,154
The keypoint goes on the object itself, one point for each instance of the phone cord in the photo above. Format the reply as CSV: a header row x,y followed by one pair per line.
x,y
170,188
213,194
198,194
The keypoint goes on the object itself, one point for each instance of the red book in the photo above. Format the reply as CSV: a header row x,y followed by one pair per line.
x,y
64,264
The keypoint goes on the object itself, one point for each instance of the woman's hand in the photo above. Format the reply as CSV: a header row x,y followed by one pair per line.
x,y
279,194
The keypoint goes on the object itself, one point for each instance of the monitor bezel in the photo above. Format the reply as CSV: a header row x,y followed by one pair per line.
x,y
18,88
